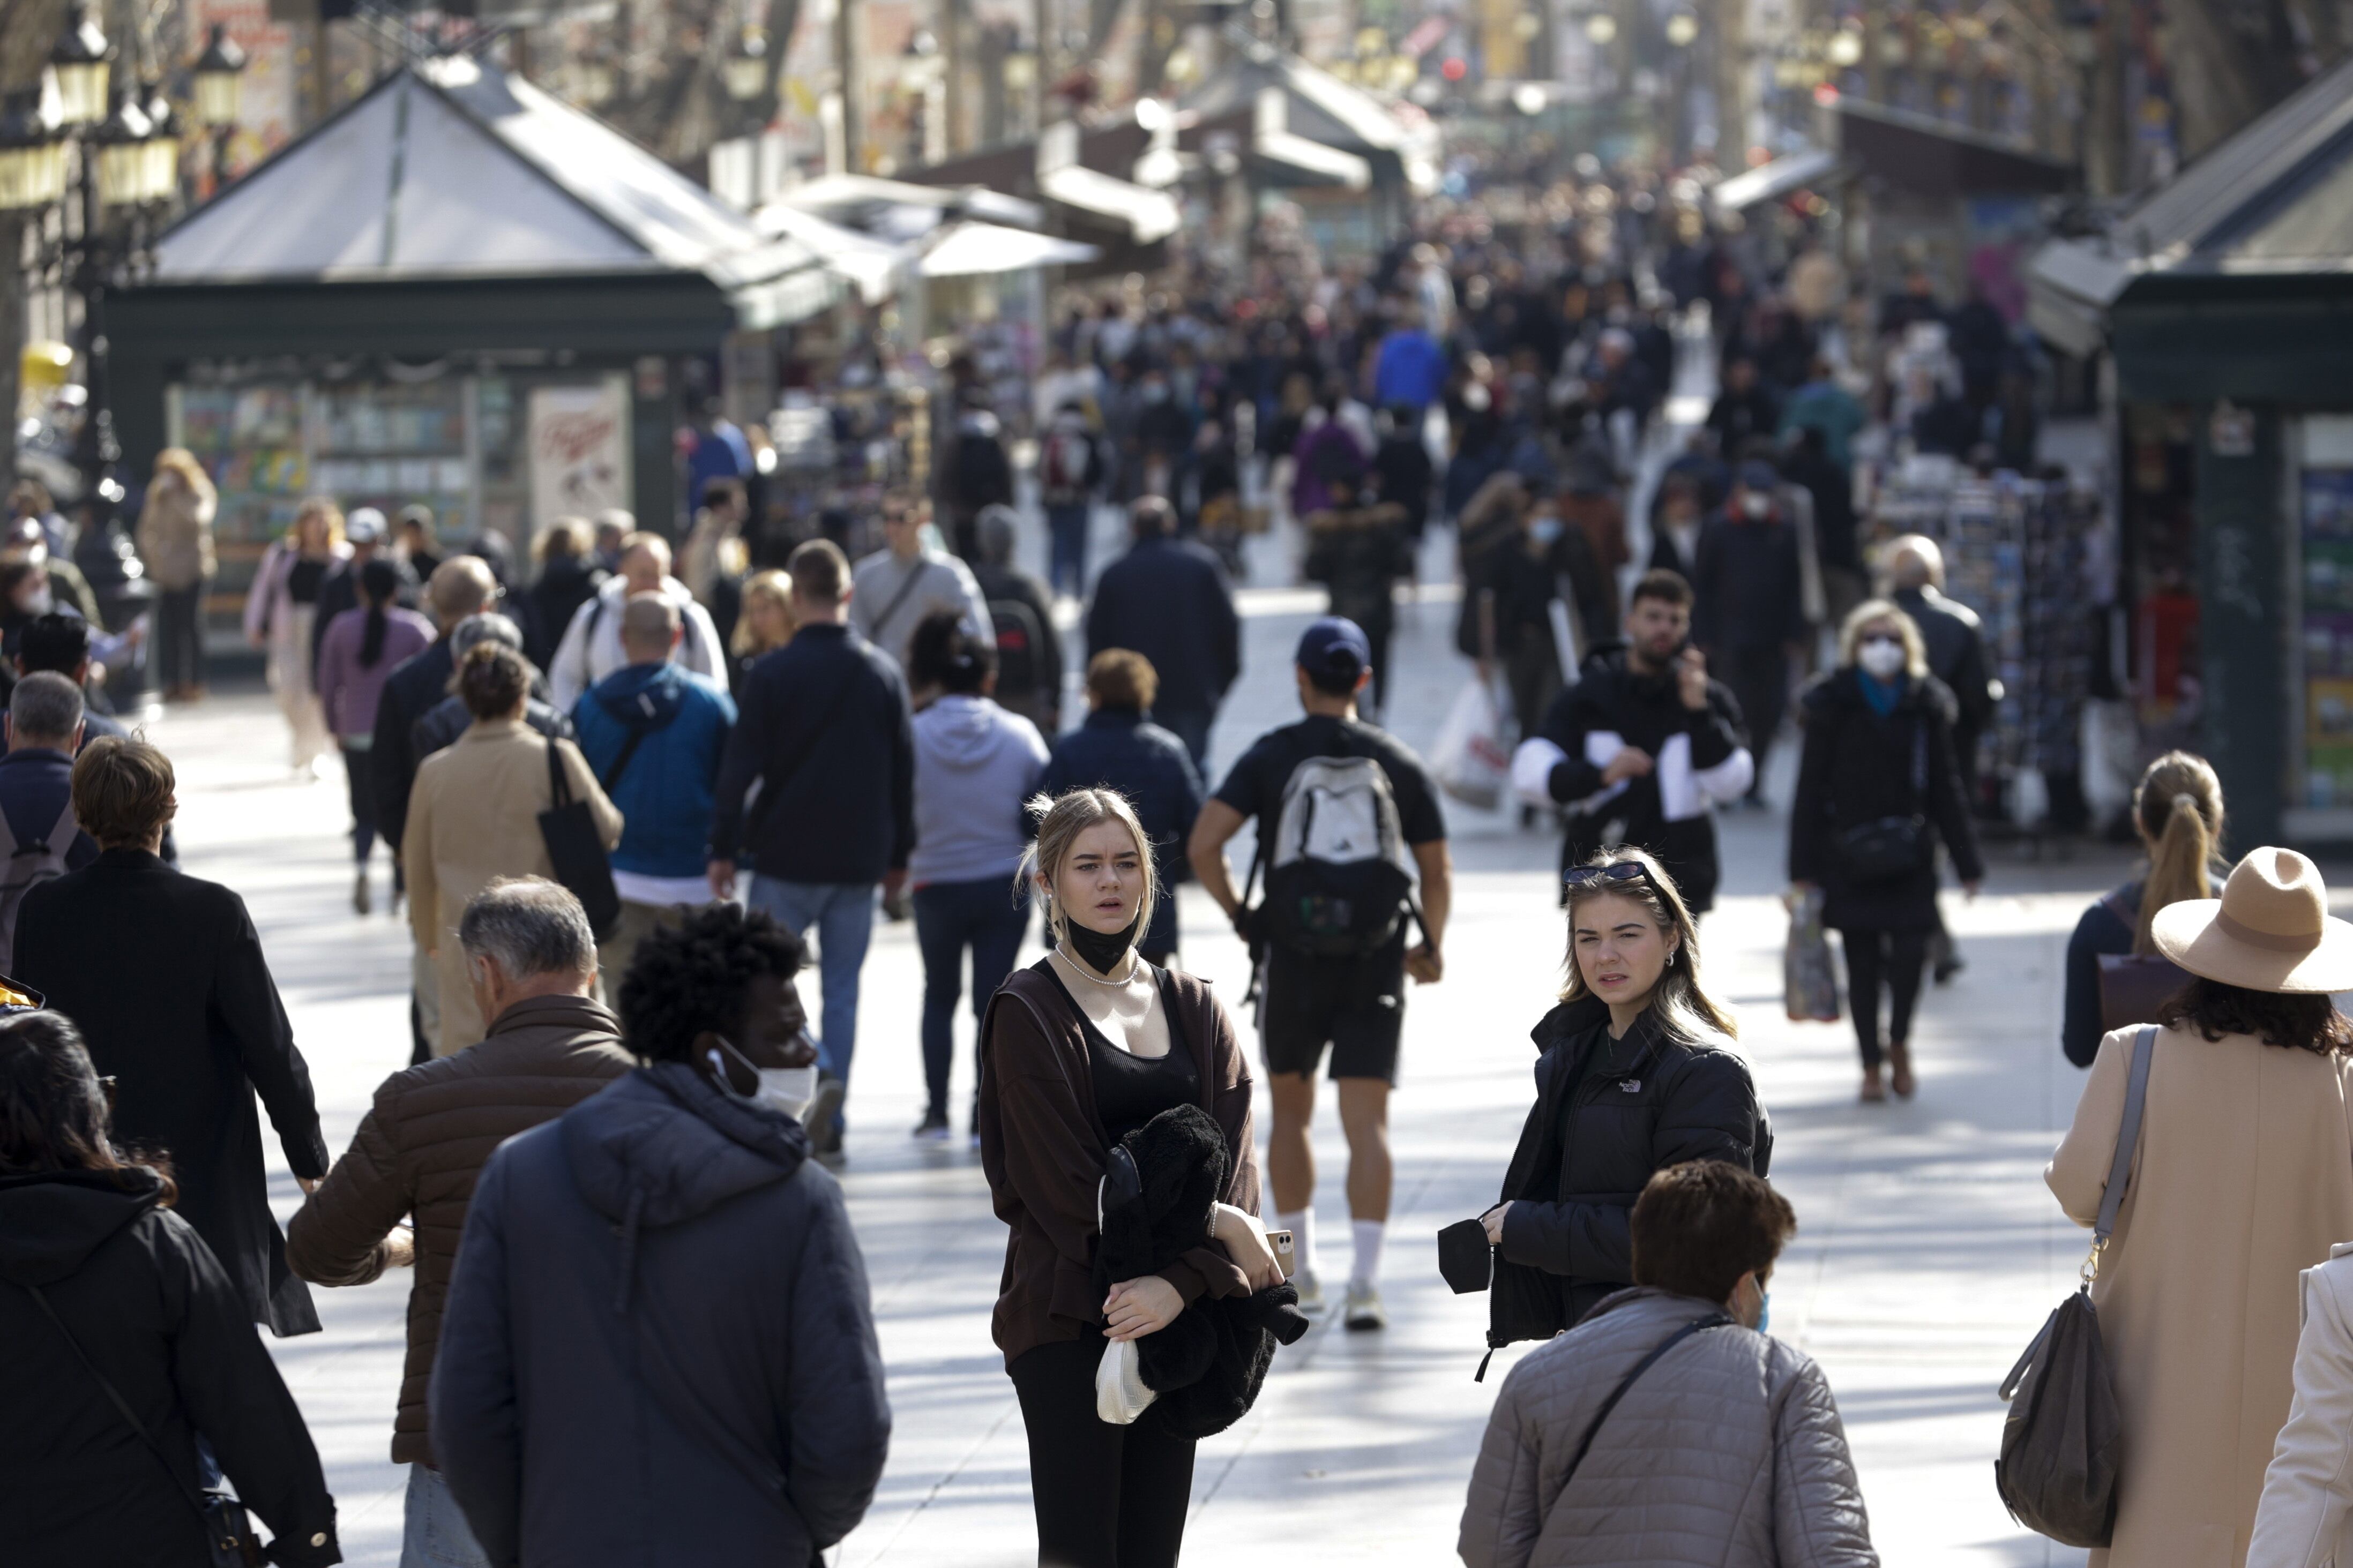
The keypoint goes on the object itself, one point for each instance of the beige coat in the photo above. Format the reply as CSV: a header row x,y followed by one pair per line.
x,y
2243,1179
175,533
473,816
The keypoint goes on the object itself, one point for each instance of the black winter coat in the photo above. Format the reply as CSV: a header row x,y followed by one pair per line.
x,y
149,1305
1120,749
823,727
414,687
1956,656
1747,587
1858,768
1644,712
548,606
189,1046
1642,1103
446,720
1169,601
659,1350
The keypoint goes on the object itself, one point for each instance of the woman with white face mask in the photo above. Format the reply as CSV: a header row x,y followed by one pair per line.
x,y
1877,786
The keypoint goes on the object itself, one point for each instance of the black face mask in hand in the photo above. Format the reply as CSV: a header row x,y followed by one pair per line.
x,y
1101,950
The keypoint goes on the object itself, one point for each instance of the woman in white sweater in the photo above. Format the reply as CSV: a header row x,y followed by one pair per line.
x,y
2308,1490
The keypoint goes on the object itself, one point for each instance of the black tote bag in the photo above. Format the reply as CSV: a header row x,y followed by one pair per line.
x,y
576,849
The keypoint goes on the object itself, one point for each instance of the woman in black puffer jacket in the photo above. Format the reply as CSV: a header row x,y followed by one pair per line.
x,y
1638,1073
92,1231
1877,786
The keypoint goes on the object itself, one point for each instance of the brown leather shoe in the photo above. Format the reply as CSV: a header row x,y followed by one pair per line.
x,y
1873,1092
1899,1068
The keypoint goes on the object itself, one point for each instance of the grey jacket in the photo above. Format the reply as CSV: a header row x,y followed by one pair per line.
x,y
1727,1453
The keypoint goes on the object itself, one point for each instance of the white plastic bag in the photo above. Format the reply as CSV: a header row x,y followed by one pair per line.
x,y
1470,760
1119,1393
1809,983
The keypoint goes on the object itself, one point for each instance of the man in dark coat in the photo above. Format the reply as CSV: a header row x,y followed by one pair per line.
x,y
200,1033
1956,656
1119,747
1744,409
1169,599
659,1346
461,586
1748,611
1022,613
441,724
1645,741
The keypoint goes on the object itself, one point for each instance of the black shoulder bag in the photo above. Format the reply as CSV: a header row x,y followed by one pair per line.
x,y
228,1534
2133,986
576,850
2062,1441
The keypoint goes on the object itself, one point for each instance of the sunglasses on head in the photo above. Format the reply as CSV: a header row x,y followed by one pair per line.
x,y
1585,879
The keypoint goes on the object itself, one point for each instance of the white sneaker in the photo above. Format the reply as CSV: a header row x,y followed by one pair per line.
x,y
1310,1293
1363,1311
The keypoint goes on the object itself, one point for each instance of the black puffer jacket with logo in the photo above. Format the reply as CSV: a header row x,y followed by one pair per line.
x,y
1607,1114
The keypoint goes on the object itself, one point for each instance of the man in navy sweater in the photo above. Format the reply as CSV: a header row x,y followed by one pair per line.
x,y
825,735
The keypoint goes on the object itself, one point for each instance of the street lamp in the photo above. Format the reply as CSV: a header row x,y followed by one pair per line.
x,y
746,70
163,141
220,76
1601,27
78,64
122,140
1683,29
1845,47
32,154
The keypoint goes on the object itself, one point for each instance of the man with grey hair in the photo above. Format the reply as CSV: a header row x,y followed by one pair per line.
x,y
654,733
532,960
39,840
1957,656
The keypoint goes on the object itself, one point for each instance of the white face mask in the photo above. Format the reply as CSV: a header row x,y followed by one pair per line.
x,y
787,1090
1756,505
1880,660
38,602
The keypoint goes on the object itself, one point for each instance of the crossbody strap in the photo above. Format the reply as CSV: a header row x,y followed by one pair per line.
x,y
1593,1430
559,787
907,585
179,1482
620,763
2128,1142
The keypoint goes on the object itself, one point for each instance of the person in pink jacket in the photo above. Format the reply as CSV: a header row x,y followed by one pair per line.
x,y
361,648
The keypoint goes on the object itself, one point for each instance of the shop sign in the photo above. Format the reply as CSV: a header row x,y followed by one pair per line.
x,y
579,450
2231,431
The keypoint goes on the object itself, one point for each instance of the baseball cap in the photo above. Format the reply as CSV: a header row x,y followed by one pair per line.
x,y
364,526
1333,645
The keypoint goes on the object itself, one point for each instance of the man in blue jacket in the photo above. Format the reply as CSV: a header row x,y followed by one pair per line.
x,y
659,1346
654,733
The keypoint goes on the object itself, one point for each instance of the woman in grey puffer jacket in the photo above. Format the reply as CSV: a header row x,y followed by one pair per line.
x,y
1723,1447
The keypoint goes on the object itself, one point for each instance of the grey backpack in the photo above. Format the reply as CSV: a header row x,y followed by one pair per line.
x,y
24,867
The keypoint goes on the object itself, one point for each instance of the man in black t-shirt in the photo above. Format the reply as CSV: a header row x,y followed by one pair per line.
x,y
1355,1004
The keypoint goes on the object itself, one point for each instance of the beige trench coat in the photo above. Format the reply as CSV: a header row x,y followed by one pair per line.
x,y
473,816
2245,1178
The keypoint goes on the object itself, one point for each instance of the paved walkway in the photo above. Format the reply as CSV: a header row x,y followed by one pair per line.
x,y
1929,1249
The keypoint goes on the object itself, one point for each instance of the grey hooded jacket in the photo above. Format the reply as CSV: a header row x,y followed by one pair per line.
x,y
1727,1453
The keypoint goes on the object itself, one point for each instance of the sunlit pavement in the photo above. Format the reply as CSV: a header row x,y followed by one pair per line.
x,y
1929,1249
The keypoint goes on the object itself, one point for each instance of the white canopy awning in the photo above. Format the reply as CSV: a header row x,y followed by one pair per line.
x,y
1768,182
969,249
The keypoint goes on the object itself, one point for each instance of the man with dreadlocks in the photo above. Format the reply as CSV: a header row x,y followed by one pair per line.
x,y
658,1344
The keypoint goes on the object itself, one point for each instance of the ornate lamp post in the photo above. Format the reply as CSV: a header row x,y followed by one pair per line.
x,y
219,78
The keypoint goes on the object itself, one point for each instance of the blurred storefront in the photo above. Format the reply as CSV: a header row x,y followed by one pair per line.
x,y
458,291
2224,308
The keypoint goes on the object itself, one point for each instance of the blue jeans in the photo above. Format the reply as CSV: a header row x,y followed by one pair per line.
x,y
989,916
1067,526
435,1534
843,914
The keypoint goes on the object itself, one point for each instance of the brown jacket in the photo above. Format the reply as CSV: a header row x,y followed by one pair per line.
x,y
2243,1179
418,1151
473,816
1042,1148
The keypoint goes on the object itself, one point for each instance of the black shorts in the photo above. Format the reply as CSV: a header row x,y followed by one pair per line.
x,y
1356,1005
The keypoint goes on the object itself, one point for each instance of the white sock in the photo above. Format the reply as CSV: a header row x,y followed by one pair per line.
x,y
1302,1226
1370,1233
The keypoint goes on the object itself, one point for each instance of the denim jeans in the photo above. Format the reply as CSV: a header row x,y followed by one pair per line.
x,y
989,916
1067,526
435,1533
843,914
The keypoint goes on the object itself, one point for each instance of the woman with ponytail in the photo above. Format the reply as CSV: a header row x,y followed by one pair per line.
x,y
363,646
2178,807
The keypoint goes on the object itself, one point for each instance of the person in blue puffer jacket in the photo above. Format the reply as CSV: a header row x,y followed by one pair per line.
x,y
654,732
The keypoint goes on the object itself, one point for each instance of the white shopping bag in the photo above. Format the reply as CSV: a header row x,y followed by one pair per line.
x,y
1471,759
1119,1393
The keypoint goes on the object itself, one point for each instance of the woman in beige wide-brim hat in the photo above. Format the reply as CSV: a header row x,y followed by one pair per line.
x,y
2244,1176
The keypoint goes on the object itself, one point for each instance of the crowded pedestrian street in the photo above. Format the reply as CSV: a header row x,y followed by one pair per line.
x,y
1928,1251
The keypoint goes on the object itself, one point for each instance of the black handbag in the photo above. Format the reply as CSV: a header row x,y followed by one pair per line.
x,y
1889,846
2062,1440
2133,986
228,1534
576,850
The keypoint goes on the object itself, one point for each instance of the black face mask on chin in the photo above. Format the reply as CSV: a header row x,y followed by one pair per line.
x,y
1100,949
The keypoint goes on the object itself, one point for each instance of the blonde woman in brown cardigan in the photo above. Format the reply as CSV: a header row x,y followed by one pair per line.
x,y
1082,1047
